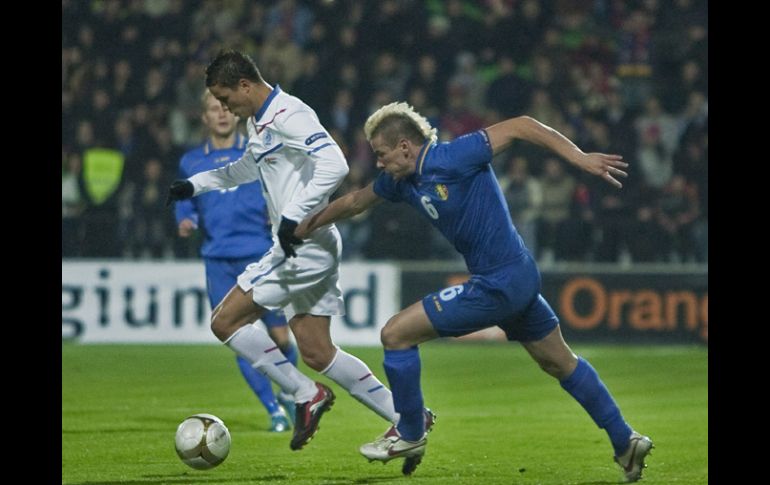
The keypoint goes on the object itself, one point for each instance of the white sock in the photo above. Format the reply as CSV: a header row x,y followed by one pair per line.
x,y
255,345
352,374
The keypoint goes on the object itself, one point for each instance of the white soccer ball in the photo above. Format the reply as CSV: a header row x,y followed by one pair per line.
x,y
202,441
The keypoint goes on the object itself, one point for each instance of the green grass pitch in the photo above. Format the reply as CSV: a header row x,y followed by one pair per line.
x,y
501,420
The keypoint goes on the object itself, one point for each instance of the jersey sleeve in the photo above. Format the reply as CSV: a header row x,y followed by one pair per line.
x,y
386,187
239,172
469,152
301,130
185,209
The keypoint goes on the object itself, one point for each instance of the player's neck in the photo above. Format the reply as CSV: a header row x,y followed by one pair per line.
x,y
220,142
262,92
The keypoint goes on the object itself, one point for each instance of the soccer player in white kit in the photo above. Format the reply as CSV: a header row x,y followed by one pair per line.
x,y
300,166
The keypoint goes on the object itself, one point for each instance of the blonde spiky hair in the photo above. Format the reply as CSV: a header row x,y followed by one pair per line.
x,y
403,113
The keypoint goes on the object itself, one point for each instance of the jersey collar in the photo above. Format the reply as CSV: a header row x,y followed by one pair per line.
x,y
422,155
276,90
240,143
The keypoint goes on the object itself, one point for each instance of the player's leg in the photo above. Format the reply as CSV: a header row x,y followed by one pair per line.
x,y
230,322
583,383
319,353
278,329
400,337
221,274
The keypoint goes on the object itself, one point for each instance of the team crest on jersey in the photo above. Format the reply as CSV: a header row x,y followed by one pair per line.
x,y
268,139
442,191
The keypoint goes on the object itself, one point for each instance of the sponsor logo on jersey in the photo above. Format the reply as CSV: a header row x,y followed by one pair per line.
x,y
270,159
442,191
315,137
222,160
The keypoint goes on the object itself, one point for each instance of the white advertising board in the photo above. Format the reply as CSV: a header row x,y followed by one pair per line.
x,y
166,302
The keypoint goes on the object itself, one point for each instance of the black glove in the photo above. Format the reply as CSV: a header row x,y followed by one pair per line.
x,y
287,238
179,190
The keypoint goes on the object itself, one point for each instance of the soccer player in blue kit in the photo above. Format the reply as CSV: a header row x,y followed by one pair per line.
x,y
237,232
454,187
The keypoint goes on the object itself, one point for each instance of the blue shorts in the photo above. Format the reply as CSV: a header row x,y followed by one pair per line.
x,y
508,297
221,276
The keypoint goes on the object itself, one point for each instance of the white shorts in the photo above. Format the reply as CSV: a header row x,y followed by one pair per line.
x,y
307,283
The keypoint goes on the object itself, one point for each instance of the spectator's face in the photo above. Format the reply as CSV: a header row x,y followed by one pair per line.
x,y
396,161
236,100
217,119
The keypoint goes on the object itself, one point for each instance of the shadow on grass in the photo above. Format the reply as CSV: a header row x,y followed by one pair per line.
x,y
182,479
188,480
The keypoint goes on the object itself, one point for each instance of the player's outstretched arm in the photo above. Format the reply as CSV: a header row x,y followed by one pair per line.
x,y
606,166
345,207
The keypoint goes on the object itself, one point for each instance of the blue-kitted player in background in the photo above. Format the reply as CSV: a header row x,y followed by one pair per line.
x,y
236,233
454,187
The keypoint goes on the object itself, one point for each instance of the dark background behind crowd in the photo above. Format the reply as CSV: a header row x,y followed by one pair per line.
x,y
616,76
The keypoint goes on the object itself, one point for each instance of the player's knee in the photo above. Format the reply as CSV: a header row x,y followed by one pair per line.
x,y
391,338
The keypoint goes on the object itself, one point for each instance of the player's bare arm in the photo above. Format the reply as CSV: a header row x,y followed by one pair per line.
x,y
606,166
345,207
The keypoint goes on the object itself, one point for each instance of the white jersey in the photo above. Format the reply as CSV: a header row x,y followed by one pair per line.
x,y
293,155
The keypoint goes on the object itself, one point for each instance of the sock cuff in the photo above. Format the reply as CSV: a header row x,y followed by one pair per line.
x,y
401,354
334,359
581,371
228,339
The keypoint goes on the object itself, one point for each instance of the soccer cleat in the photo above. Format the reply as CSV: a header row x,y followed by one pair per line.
x,y
632,461
279,423
391,446
411,458
287,402
308,415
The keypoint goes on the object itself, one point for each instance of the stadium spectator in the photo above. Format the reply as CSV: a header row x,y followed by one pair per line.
x,y
299,166
118,59
454,187
524,197
237,232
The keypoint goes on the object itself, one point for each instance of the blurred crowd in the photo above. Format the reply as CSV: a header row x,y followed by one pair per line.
x,y
616,76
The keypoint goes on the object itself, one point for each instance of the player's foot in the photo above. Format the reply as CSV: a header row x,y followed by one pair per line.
x,y
391,446
279,423
309,415
287,402
430,419
632,461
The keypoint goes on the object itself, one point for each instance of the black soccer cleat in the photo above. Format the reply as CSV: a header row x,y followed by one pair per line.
x,y
309,415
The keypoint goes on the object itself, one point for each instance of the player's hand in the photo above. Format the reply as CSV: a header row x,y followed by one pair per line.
x,y
605,166
186,227
302,229
286,237
180,189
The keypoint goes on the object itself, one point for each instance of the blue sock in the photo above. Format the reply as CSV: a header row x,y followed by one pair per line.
x,y
403,370
260,384
588,389
291,353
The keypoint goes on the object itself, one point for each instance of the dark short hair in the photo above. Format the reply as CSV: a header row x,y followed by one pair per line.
x,y
229,67
396,126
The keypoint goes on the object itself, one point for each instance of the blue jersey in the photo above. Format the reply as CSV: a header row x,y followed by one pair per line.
x,y
455,187
235,221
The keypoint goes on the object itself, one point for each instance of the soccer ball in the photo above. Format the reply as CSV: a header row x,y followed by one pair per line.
x,y
202,441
